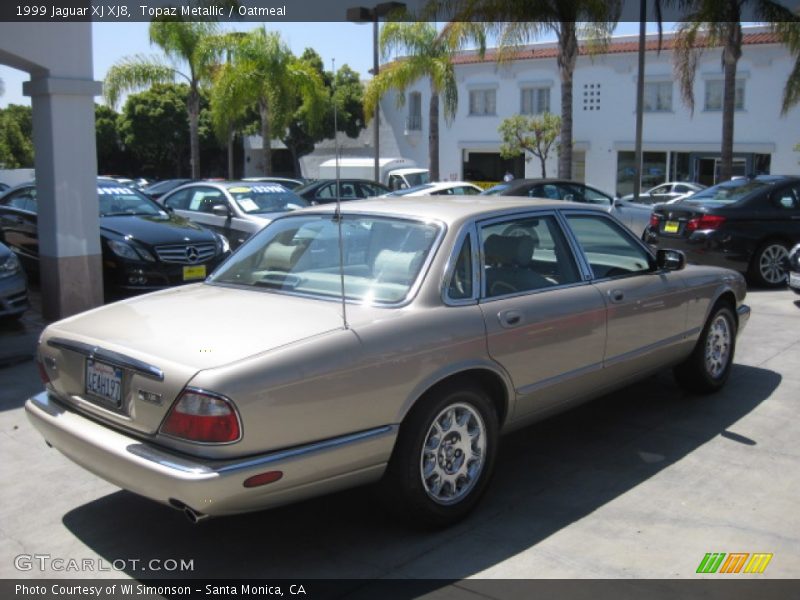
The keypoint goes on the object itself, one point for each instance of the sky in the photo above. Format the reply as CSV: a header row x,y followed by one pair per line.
x,y
347,43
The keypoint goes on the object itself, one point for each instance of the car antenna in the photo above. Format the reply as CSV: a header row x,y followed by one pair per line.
x,y
338,214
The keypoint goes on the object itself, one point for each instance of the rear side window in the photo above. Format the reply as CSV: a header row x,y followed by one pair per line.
x,y
788,198
460,287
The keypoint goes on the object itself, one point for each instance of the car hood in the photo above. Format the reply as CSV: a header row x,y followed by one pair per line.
x,y
155,229
200,326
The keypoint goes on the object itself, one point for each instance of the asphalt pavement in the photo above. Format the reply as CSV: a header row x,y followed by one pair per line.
x,y
642,483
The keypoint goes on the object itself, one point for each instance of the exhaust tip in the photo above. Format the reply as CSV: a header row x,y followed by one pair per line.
x,y
191,514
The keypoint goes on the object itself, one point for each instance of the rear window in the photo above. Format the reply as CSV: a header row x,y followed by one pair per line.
x,y
121,200
730,191
266,198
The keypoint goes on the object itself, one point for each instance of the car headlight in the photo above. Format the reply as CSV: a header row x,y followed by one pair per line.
x,y
10,266
123,250
223,243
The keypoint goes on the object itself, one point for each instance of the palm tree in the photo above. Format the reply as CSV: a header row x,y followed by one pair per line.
x,y
182,43
264,72
714,23
518,22
428,54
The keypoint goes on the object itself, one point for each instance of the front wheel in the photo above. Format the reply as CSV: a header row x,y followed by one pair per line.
x,y
707,368
444,457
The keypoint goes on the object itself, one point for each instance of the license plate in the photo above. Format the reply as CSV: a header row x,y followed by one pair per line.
x,y
794,280
194,272
104,381
671,227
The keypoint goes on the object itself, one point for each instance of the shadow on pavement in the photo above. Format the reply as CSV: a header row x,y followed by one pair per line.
x,y
548,476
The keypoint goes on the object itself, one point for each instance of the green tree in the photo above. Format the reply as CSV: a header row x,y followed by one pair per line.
x,y
187,59
714,23
517,22
534,135
153,127
429,55
16,137
264,72
111,155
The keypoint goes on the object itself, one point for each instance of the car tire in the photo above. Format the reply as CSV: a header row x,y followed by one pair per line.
x,y
443,458
768,267
708,367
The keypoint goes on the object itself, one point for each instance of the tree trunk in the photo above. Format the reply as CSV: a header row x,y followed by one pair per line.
x,y
544,167
433,137
231,140
266,137
730,58
194,130
568,54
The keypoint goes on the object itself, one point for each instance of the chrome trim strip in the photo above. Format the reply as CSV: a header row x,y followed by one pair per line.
x,y
529,389
164,459
650,347
114,358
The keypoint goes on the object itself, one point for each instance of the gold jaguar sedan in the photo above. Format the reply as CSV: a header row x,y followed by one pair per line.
x,y
391,342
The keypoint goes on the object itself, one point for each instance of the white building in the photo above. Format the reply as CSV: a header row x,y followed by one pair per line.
x,y
677,145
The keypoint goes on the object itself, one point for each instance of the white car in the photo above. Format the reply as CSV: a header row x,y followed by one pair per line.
x,y
441,188
669,192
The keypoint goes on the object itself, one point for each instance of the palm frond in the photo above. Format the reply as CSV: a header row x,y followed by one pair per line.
x,y
134,73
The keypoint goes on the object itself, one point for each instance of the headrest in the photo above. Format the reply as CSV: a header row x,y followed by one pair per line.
x,y
396,267
509,249
280,257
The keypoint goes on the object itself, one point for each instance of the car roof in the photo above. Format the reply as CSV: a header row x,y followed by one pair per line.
x,y
450,209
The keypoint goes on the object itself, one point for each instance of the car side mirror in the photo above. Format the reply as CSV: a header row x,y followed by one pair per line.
x,y
169,210
221,210
671,260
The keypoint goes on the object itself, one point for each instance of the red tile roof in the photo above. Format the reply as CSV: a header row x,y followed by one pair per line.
x,y
616,47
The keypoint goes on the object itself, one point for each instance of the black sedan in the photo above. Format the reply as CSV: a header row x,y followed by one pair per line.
x,y
324,191
159,188
144,246
745,224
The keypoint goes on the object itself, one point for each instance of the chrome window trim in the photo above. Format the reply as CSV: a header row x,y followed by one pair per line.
x,y
549,212
470,229
108,356
625,232
413,290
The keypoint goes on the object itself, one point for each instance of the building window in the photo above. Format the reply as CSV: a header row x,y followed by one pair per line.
x,y
534,100
654,170
482,102
715,92
658,96
414,119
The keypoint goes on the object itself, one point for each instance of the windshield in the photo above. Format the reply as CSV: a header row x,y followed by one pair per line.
x,y
415,179
121,200
728,192
383,257
266,198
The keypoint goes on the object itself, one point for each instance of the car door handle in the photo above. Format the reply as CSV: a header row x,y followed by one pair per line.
x,y
510,318
616,295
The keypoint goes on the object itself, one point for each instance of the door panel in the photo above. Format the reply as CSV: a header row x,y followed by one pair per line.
x,y
544,325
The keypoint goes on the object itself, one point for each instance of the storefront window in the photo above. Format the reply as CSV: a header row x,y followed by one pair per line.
x,y
654,170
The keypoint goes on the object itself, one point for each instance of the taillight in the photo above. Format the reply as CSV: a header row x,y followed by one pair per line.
x,y
42,370
705,222
202,417
654,220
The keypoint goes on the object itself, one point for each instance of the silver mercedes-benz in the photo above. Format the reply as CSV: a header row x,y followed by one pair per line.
x,y
393,342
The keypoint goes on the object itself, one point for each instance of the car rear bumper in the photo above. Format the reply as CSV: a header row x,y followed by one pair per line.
x,y
211,487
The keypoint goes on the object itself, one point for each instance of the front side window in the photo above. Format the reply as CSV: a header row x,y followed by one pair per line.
x,y
715,90
525,254
610,251
24,199
482,102
383,257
